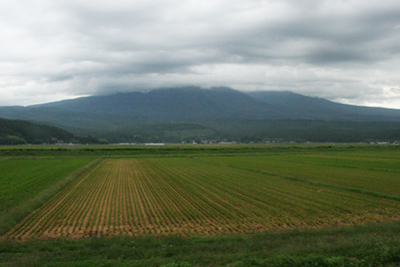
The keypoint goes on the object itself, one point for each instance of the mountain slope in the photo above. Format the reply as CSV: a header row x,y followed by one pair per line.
x,y
188,104
174,103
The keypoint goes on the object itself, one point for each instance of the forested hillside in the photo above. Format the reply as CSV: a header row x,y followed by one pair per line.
x,y
14,132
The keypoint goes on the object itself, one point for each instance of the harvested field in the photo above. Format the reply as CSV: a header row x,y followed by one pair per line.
x,y
185,196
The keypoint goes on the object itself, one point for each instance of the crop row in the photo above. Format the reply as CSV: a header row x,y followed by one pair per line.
x,y
183,196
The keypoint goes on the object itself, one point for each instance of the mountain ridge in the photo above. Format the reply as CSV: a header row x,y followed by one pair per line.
x,y
217,102
188,102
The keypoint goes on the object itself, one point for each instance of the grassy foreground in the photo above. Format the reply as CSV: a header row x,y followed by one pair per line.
x,y
373,245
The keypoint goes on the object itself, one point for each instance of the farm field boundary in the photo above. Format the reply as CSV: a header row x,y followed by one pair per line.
x,y
174,150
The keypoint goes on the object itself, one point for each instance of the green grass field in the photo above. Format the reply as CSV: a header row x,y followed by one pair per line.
x,y
235,206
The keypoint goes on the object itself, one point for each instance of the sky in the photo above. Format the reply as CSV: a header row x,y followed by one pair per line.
x,y
346,51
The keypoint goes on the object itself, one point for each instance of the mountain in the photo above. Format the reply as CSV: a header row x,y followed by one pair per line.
x,y
296,106
89,115
171,103
13,132
186,104
176,114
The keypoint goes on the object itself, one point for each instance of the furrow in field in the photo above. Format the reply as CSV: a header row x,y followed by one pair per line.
x,y
137,205
93,208
134,220
146,194
225,195
219,216
106,209
123,214
97,222
201,207
142,208
91,193
181,209
240,189
161,200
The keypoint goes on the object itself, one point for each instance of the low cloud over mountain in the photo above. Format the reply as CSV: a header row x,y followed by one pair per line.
x,y
346,51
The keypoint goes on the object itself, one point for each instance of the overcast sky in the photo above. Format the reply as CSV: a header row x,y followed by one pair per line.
x,y
342,50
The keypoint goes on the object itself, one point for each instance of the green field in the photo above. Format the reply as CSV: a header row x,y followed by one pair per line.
x,y
203,192
378,172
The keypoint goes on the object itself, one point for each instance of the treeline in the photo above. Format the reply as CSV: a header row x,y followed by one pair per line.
x,y
14,132
246,131
306,130
159,132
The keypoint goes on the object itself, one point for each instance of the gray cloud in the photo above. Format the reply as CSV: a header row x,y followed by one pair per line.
x,y
345,51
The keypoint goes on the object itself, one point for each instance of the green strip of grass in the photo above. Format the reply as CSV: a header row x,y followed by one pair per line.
x,y
371,245
180,150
